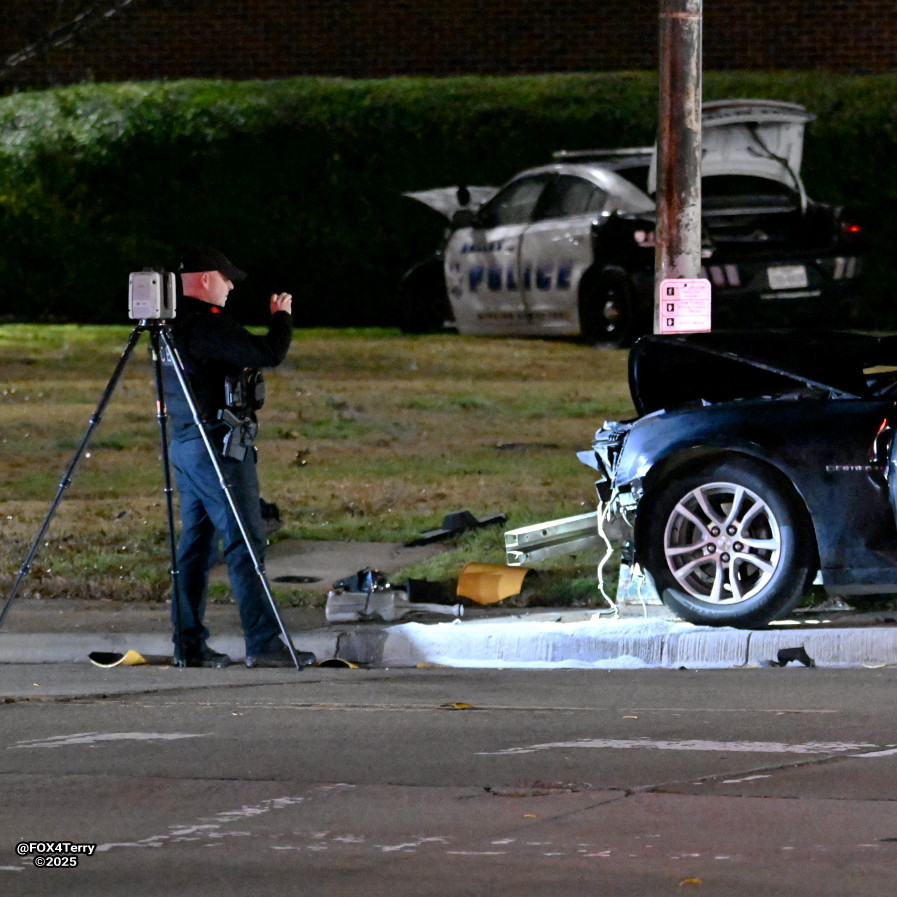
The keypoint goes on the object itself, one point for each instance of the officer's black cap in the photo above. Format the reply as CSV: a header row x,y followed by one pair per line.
x,y
204,258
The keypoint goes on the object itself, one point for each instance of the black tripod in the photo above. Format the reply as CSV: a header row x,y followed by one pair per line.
x,y
160,337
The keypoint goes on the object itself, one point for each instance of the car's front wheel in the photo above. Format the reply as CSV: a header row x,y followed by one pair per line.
x,y
729,546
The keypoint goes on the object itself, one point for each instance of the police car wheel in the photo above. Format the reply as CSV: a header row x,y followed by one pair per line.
x,y
606,311
423,301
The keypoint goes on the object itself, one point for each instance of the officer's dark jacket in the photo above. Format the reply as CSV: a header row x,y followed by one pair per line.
x,y
212,345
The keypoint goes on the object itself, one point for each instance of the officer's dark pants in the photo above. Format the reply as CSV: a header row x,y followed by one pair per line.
x,y
205,514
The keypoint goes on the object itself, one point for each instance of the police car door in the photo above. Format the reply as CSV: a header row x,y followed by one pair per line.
x,y
556,250
482,262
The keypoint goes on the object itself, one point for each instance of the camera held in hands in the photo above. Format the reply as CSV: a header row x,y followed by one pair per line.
x,y
151,295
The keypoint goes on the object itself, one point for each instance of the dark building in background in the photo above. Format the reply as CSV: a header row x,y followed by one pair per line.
x,y
167,39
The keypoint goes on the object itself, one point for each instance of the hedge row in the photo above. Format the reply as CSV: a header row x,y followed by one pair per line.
x,y
301,181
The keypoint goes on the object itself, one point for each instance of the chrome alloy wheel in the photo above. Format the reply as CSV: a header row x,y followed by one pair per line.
x,y
722,543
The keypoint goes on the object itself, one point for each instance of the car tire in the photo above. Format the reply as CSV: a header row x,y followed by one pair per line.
x,y
607,312
423,301
728,545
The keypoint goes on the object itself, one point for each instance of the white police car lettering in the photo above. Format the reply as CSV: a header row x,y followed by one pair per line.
x,y
494,278
475,277
511,280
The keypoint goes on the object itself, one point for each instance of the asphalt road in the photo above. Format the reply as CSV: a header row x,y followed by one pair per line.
x,y
475,783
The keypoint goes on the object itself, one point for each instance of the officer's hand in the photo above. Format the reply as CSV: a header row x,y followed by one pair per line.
x,y
281,302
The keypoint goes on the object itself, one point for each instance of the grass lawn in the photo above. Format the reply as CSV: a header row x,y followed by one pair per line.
x,y
365,434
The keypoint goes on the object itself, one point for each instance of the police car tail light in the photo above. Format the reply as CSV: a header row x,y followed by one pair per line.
x,y
644,237
841,267
722,275
851,229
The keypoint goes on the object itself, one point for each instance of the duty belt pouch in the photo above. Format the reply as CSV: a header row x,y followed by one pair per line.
x,y
243,394
244,391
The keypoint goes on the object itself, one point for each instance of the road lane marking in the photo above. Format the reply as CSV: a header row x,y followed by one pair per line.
x,y
745,779
751,747
210,827
889,752
92,738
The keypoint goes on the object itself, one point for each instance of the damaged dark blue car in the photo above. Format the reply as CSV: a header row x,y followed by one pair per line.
x,y
758,461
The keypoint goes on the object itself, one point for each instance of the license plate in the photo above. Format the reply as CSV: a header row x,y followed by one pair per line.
x,y
787,277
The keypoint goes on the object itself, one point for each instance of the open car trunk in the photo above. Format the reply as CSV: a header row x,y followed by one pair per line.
x,y
752,195
759,139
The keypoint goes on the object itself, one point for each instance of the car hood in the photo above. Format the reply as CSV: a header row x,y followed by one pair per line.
x,y
671,371
445,199
756,138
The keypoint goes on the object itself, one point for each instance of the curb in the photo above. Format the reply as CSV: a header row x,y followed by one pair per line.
x,y
38,647
625,643
556,640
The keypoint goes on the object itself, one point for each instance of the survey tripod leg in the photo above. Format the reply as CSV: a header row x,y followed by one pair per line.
x,y
79,454
162,417
69,473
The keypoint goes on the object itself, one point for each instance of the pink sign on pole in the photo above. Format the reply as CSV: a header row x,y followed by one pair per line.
x,y
684,306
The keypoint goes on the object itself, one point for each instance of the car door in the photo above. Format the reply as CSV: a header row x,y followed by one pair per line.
x,y
482,262
555,252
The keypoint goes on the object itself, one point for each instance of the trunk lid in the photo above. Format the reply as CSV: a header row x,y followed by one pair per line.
x,y
751,139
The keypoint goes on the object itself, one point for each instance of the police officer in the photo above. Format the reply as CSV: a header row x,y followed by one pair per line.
x,y
221,359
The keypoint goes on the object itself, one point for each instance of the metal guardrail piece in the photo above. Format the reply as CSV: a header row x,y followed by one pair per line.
x,y
544,540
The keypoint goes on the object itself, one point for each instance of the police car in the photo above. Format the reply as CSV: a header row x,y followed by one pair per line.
x,y
567,249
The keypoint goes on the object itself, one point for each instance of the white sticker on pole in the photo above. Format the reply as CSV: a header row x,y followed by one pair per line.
x,y
684,305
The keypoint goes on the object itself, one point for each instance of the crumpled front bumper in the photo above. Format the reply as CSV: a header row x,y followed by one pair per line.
x,y
603,457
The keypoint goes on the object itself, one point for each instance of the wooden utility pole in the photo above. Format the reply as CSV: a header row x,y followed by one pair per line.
x,y
678,253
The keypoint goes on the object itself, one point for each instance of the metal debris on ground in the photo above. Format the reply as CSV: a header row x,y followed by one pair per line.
x,y
365,580
384,605
787,655
551,538
453,524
